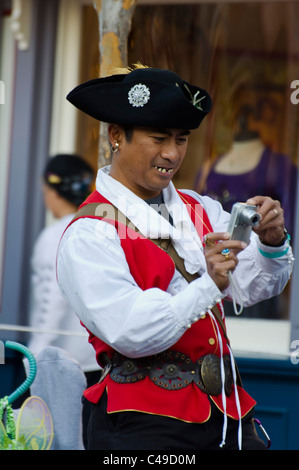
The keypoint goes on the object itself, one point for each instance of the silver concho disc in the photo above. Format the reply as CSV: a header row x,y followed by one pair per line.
x,y
139,95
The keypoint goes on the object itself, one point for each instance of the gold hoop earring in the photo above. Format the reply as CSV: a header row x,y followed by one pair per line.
x,y
115,148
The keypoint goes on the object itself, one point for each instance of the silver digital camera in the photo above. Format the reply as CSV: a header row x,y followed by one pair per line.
x,y
243,218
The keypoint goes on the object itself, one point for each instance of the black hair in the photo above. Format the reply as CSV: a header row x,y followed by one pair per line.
x,y
71,176
128,132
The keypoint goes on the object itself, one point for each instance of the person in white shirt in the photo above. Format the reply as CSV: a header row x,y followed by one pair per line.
x,y
67,180
170,381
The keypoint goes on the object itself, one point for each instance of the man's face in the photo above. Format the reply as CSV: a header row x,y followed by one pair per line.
x,y
149,161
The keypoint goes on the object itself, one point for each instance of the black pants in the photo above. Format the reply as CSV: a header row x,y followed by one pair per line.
x,y
129,430
91,379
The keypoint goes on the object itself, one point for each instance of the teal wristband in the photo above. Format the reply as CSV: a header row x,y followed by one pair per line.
x,y
278,254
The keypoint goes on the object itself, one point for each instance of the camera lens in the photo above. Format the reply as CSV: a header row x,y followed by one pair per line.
x,y
249,216
255,219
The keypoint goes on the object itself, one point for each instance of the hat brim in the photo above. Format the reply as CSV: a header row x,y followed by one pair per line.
x,y
106,99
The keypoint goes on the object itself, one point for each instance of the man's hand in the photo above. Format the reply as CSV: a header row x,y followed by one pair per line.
x,y
271,227
221,257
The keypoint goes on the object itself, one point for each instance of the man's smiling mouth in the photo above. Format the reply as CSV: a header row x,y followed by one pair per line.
x,y
164,170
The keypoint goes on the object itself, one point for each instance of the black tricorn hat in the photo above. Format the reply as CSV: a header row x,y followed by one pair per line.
x,y
144,97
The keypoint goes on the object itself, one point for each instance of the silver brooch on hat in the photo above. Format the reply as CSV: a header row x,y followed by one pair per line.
x,y
139,95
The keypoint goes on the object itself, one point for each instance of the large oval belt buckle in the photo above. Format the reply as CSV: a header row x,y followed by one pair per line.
x,y
211,375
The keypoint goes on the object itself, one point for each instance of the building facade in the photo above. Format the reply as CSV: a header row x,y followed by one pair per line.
x,y
246,54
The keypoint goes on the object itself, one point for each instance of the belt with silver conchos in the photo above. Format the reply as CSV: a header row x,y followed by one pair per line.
x,y
171,370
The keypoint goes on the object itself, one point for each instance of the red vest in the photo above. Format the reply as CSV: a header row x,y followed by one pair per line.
x,y
156,270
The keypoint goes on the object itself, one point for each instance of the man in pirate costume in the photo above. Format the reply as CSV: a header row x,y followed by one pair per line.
x,y
146,267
